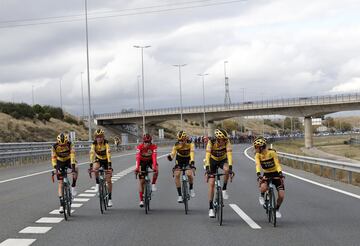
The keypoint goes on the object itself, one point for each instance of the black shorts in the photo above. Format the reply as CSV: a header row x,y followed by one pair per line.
x,y
103,163
182,162
61,166
145,165
214,165
279,184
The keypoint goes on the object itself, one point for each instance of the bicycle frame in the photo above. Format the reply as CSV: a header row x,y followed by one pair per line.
x,y
65,191
147,189
270,203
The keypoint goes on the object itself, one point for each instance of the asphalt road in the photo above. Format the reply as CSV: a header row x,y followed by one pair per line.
x,y
312,215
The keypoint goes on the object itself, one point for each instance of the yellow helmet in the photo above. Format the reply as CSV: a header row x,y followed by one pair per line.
x,y
99,132
222,134
62,138
260,142
181,135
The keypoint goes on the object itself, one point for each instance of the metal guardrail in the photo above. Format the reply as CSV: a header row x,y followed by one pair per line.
x,y
264,104
335,165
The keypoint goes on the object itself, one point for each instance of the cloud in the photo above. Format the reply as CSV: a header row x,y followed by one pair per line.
x,y
348,87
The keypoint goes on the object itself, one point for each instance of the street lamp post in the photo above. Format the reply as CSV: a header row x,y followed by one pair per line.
x,y
82,95
138,88
181,104
87,67
203,89
142,78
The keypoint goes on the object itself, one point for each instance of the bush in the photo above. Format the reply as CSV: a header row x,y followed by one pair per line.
x,y
71,120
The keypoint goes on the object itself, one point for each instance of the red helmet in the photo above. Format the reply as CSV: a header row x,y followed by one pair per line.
x,y
147,137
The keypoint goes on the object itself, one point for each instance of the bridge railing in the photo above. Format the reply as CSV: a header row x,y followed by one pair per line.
x,y
310,164
263,104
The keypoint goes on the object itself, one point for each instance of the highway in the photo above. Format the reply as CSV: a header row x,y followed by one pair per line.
x,y
312,215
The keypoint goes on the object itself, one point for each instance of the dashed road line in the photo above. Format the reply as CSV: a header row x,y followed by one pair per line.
x,y
81,199
49,220
86,195
56,211
36,229
76,205
17,242
244,216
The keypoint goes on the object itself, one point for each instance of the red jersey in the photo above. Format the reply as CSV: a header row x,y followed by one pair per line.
x,y
146,154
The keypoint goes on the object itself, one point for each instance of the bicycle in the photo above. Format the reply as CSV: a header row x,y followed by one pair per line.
x,y
185,187
147,189
103,189
65,191
270,203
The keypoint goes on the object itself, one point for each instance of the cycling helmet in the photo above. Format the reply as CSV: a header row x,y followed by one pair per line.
x,y
62,138
147,138
221,134
181,135
259,142
99,132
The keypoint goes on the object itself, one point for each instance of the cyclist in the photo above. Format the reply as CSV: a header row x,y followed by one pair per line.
x,y
100,156
146,157
63,155
267,160
218,155
184,152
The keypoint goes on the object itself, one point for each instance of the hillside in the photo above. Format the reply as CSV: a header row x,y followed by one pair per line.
x,y
34,130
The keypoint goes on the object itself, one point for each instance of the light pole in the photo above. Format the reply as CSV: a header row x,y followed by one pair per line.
x,y
61,105
142,78
82,95
181,104
32,94
203,89
87,67
138,87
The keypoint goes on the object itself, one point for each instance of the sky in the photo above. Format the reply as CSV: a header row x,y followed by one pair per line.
x,y
274,49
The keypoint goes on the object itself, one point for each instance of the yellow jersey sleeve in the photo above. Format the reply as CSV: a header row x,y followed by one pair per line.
x,y
192,152
173,152
208,154
72,154
108,152
92,153
53,157
257,163
229,153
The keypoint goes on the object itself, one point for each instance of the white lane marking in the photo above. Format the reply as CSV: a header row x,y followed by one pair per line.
x,y
310,181
49,220
36,229
47,171
86,195
90,191
244,216
56,211
76,205
81,199
92,187
17,242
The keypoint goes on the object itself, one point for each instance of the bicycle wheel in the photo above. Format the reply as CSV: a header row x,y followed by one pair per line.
x,y
185,194
68,200
105,196
64,201
269,206
273,207
149,195
220,207
146,197
101,197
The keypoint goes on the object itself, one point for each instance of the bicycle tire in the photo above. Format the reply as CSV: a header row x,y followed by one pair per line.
x,y
64,203
105,196
185,196
146,197
68,200
273,207
149,195
101,194
220,207
269,206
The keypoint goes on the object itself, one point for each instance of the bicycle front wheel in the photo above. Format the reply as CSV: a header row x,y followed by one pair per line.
x,y
64,201
146,191
68,200
101,197
105,196
185,194
273,207
220,207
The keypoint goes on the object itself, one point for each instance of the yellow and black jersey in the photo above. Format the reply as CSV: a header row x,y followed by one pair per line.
x,y
62,153
183,150
218,152
101,151
268,161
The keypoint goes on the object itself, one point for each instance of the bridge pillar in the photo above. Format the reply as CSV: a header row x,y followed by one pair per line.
x,y
211,128
308,132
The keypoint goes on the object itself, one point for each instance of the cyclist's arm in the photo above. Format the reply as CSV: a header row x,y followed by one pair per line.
x,y
229,153
257,163
192,154
53,157
154,157
208,153
72,154
173,152
137,158
108,152
92,153
277,162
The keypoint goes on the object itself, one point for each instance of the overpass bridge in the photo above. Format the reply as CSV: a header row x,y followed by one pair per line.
x,y
307,107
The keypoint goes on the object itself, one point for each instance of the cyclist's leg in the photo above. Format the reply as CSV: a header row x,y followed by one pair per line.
x,y
141,181
75,175
225,167
156,174
96,167
281,192
211,182
177,174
